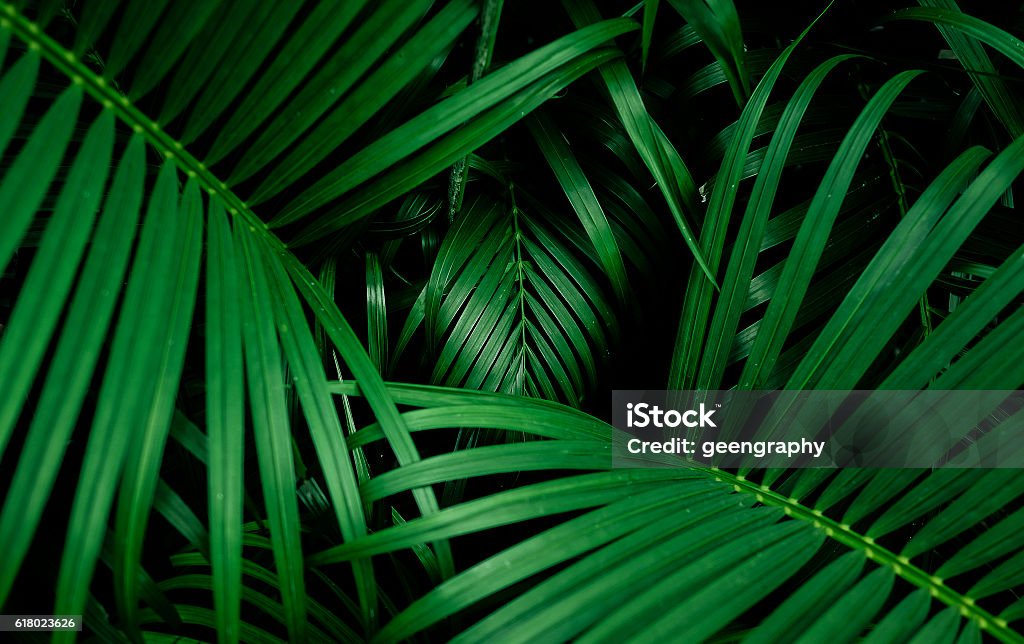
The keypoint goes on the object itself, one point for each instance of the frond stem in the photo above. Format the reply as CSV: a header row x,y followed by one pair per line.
x,y
520,278
481,61
100,89
900,565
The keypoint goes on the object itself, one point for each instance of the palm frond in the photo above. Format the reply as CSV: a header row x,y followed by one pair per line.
x,y
512,309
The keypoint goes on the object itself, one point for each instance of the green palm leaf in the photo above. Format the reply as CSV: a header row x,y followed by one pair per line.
x,y
504,291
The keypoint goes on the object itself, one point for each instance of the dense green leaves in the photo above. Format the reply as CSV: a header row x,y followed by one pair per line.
x,y
939,349
75,359
812,599
143,338
302,490
142,471
718,25
810,241
699,290
324,424
309,42
24,184
981,70
587,591
750,239
429,42
657,151
271,426
552,63
566,168
49,281
16,84
907,262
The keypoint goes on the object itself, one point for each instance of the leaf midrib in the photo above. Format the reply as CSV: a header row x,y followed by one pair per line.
x,y
107,96
900,565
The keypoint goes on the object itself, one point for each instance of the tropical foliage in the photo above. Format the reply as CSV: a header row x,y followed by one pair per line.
x,y
311,312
